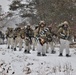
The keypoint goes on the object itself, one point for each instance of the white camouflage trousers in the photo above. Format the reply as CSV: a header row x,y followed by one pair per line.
x,y
10,42
40,48
51,45
34,42
64,44
27,44
19,41
1,41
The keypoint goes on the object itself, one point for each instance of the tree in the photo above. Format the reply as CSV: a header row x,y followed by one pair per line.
x,y
55,11
24,9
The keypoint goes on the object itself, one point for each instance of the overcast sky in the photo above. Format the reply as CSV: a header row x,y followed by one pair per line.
x,y
5,4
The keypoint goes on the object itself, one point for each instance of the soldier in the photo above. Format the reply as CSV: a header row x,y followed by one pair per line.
x,y
2,37
41,45
9,36
64,35
34,40
28,38
50,39
19,35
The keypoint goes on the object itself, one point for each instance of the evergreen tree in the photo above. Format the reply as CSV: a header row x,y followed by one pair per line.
x,y
24,9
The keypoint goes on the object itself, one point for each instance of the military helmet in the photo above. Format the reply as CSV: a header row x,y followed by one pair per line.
x,y
17,29
28,26
42,23
10,29
65,22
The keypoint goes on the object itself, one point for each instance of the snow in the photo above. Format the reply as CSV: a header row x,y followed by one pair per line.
x,y
31,64
18,63
5,4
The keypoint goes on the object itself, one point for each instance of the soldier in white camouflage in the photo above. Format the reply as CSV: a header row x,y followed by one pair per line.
x,y
64,35
50,39
34,40
9,36
2,37
41,45
19,36
28,38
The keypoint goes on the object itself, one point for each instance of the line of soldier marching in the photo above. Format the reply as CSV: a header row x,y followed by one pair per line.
x,y
41,37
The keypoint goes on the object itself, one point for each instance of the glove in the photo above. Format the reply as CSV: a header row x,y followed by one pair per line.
x,y
42,41
66,37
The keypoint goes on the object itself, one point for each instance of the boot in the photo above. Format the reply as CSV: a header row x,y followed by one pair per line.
x,y
11,47
47,52
44,55
19,49
60,54
67,55
38,54
8,47
28,52
25,51
14,49
53,52
33,49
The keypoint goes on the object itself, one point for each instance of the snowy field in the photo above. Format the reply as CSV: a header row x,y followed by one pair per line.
x,y
18,63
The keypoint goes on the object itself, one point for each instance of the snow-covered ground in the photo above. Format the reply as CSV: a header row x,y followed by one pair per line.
x,y
18,63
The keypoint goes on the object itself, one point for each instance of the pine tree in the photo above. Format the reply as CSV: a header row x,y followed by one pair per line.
x,y
24,9
15,5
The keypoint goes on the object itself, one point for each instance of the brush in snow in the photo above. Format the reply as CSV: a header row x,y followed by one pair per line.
x,y
27,70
